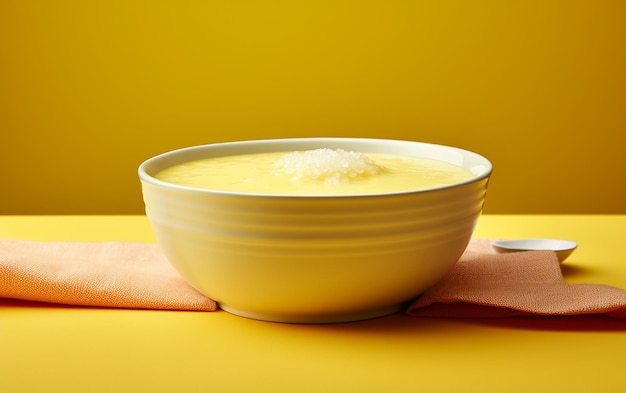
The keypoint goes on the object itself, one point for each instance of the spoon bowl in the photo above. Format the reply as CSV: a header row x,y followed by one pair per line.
x,y
562,248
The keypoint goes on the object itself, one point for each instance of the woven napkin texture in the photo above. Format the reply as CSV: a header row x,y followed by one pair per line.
x,y
486,284
108,274
137,275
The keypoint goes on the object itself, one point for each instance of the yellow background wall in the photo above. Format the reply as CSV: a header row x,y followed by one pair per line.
x,y
88,90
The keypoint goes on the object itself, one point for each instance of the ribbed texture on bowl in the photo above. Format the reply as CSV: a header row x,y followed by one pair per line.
x,y
313,259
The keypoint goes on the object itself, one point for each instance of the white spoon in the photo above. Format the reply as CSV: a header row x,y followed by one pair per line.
x,y
563,248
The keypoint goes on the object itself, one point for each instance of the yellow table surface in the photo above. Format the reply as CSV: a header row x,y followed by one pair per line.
x,y
54,348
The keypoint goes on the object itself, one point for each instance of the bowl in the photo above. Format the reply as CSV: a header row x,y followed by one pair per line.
x,y
314,258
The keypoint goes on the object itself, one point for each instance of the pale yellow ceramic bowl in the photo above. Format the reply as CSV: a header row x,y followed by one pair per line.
x,y
314,259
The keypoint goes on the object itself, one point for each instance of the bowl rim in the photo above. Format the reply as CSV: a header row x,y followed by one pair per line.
x,y
146,177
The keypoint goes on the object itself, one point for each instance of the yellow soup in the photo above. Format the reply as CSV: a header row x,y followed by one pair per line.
x,y
315,172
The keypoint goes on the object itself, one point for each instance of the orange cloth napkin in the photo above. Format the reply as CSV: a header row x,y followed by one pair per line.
x,y
110,274
486,284
137,275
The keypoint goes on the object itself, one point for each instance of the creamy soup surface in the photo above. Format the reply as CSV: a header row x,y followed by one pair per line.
x,y
315,172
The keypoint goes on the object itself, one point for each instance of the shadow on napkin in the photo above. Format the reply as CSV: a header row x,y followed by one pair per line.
x,y
137,275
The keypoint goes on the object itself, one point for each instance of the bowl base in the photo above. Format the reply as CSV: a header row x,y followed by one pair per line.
x,y
313,318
